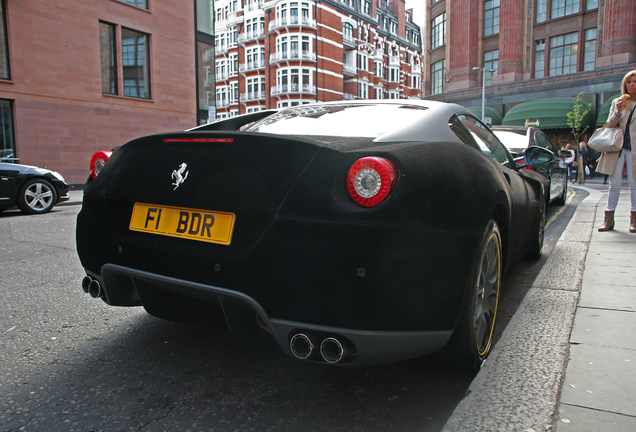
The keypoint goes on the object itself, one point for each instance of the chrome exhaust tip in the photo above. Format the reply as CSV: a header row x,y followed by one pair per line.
x,y
332,350
95,289
301,346
85,283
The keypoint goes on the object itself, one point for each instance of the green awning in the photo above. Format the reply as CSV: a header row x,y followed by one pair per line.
x,y
490,112
545,114
603,114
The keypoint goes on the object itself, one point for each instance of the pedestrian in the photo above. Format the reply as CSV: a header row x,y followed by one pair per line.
x,y
583,162
613,163
570,156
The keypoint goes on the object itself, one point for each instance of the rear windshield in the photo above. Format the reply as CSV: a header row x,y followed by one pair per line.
x,y
349,120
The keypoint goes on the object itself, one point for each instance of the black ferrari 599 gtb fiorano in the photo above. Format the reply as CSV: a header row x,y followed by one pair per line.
x,y
352,233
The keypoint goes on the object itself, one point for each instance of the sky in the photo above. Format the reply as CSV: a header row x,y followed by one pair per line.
x,y
419,8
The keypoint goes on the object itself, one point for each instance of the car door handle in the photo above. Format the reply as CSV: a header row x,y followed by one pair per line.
x,y
507,176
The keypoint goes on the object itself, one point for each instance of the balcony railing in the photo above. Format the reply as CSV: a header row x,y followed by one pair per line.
x,y
222,76
349,69
349,40
251,35
252,96
416,69
348,96
243,67
292,55
378,53
394,61
292,21
293,88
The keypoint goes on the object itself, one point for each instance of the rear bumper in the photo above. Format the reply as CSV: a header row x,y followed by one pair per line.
x,y
246,318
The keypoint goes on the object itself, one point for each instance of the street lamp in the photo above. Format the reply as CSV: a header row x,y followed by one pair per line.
x,y
483,90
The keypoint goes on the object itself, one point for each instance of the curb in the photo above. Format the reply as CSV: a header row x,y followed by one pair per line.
x,y
518,387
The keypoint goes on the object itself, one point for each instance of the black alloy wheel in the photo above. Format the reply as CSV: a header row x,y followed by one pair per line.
x,y
561,199
472,339
536,248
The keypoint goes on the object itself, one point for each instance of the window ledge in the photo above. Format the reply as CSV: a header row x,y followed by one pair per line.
x,y
133,6
128,98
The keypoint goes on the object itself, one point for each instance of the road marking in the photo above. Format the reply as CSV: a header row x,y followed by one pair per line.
x,y
571,194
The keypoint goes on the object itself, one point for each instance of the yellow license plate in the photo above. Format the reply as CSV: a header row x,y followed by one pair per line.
x,y
201,225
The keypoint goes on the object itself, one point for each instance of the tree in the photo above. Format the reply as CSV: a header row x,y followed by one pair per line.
x,y
577,116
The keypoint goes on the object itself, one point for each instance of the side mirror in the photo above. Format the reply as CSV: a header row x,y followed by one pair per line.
x,y
536,156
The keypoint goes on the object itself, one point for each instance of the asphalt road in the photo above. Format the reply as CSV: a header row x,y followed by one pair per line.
x,y
69,362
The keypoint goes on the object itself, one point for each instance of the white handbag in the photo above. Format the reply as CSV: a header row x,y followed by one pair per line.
x,y
606,139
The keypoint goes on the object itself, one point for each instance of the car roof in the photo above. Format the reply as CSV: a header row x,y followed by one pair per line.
x,y
418,128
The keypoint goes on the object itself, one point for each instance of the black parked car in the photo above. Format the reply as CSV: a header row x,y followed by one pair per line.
x,y
518,138
34,190
352,233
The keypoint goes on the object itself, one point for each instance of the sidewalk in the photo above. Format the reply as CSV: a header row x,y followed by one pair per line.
x,y
599,388
567,359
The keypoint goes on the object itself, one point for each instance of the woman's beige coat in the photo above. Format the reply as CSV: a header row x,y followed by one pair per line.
x,y
607,162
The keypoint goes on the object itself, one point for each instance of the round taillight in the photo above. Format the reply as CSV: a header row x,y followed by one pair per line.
x,y
370,180
98,161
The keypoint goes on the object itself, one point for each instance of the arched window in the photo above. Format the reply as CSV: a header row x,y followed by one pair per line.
x,y
347,32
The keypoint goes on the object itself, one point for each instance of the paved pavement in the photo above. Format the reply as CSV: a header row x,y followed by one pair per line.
x,y
567,359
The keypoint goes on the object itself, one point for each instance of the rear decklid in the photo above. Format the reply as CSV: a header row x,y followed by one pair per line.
x,y
243,175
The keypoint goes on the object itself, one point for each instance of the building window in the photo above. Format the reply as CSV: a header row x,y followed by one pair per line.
x,y
363,89
437,77
394,74
4,46
205,16
135,62
491,62
542,10
108,55
234,92
378,93
366,7
205,72
539,59
7,146
563,50
438,31
416,82
363,61
589,59
394,27
591,4
290,80
347,32
561,8
139,3
491,17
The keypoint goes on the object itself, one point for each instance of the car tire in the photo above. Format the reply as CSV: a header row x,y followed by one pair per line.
x,y
472,339
37,196
538,236
561,199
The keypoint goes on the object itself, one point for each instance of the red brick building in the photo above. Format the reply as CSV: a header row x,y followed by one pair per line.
x,y
78,76
278,53
539,49
81,75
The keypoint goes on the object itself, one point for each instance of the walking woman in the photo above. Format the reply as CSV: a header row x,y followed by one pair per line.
x,y
613,163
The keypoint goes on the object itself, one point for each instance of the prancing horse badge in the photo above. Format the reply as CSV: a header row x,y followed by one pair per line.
x,y
178,175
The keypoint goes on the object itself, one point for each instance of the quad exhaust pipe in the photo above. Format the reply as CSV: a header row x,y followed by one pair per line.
x,y
93,287
332,348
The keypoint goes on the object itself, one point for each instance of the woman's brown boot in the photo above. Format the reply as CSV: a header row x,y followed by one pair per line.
x,y
632,222
608,222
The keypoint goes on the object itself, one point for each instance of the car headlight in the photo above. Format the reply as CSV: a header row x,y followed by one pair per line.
x,y
58,176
